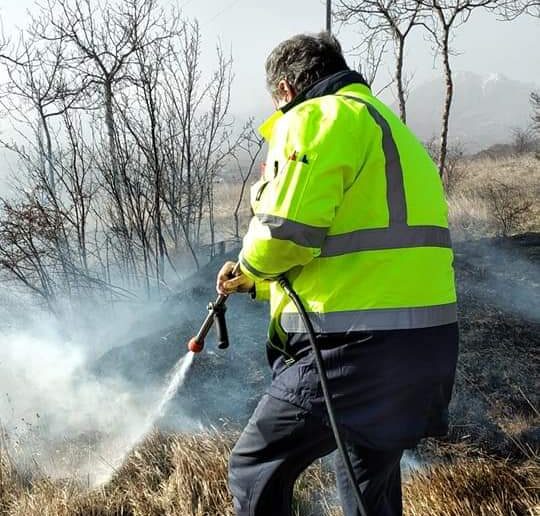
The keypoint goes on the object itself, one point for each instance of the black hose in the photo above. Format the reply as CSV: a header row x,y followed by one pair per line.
x,y
326,393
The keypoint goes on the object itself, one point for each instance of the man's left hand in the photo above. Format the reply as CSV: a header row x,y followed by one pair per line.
x,y
226,284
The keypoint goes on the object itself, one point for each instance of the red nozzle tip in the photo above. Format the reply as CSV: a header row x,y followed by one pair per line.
x,y
195,346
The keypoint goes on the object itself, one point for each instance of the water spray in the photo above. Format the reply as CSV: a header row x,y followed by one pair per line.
x,y
216,314
176,380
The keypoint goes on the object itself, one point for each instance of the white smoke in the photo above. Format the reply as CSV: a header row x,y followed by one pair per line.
x,y
56,414
43,376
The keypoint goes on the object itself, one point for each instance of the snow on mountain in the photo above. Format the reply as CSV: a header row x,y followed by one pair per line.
x,y
484,110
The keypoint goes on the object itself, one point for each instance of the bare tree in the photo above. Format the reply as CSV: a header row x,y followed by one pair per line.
x,y
216,132
37,96
145,128
455,169
523,140
371,51
385,20
102,39
184,96
119,146
509,208
441,18
5,54
50,244
535,102
511,9
196,140
246,155
37,78
79,183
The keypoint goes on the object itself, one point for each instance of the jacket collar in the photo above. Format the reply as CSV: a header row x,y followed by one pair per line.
x,y
328,85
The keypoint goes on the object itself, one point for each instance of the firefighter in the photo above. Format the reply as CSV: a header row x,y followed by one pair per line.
x,y
351,210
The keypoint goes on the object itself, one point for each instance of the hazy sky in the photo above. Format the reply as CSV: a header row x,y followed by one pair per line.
x,y
251,29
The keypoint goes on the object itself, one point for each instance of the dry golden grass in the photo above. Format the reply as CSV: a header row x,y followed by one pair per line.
x,y
470,211
474,487
185,475
181,475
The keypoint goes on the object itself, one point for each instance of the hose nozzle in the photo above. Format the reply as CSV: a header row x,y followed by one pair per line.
x,y
195,345
216,314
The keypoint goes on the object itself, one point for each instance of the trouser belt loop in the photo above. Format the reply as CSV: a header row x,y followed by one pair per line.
x,y
283,348
301,348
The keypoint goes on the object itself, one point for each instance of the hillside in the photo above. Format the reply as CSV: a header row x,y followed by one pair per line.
x,y
488,464
484,111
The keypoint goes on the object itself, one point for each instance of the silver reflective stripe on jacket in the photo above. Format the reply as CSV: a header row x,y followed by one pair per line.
x,y
297,232
398,236
373,319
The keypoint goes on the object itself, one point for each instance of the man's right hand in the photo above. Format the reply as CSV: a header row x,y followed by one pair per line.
x,y
227,284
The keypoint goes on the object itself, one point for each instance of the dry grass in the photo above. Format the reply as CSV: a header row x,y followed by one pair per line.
x,y
478,487
185,475
181,475
167,475
473,214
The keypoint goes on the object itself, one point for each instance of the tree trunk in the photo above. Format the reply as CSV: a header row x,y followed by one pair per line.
x,y
399,79
211,221
109,123
447,104
48,154
157,192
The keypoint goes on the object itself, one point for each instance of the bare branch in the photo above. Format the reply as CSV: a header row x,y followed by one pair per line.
x,y
384,21
440,19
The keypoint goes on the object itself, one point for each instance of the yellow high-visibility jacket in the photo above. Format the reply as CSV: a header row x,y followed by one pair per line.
x,y
351,210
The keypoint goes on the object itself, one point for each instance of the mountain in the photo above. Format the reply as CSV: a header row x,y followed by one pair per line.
x,y
484,110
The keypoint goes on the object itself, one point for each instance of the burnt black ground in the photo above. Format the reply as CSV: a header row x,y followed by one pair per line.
x,y
496,398
496,390
222,385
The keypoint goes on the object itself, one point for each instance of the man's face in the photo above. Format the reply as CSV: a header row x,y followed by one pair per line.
x,y
285,94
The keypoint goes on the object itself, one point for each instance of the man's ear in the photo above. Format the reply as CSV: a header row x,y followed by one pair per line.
x,y
286,92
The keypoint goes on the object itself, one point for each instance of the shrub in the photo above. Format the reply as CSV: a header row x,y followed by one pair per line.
x,y
508,206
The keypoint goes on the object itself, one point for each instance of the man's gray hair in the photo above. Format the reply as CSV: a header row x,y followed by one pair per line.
x,y
302,60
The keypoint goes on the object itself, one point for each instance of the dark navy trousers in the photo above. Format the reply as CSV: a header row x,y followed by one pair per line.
x,y
280,441
389,389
